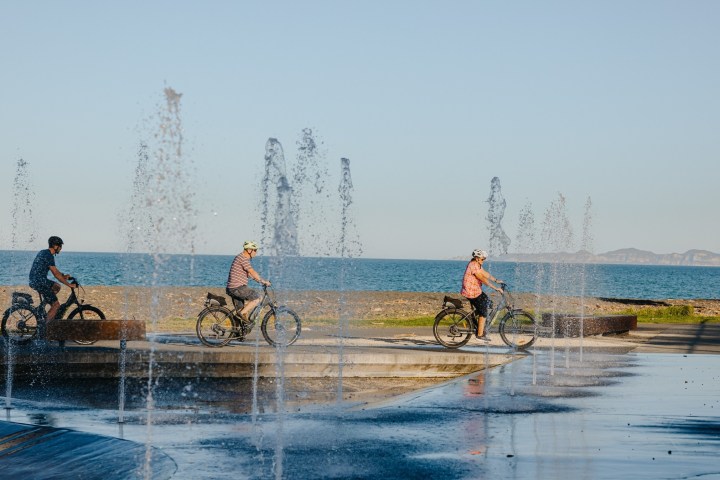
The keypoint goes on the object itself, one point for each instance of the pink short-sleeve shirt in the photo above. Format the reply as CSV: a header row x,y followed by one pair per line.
x,y
471,285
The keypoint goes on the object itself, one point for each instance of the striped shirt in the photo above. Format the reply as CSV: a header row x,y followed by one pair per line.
x,y
238,275
471,285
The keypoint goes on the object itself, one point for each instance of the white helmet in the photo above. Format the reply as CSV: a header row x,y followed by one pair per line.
x,y
250,245
477,253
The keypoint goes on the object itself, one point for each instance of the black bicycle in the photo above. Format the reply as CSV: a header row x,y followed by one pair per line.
x,y
20,320
218,325
454,326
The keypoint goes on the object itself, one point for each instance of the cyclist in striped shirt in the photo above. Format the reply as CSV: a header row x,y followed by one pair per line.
x,y
241,271
473,280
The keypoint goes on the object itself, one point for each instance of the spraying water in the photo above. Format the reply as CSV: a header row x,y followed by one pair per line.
x,y
161,221
527,242
349,247
279,209
22,235
313,202
557,236
587,246
499,241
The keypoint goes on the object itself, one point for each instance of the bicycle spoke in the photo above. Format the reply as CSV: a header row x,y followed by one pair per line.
x,y
215,327
281,327
518,329
452,328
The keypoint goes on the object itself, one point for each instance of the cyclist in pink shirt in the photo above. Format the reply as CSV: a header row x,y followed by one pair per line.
x,y
473,280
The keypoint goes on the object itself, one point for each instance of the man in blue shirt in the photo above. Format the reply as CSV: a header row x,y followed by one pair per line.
x,y
44,262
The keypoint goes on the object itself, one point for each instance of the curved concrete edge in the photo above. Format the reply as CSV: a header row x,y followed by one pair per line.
x,y
242,363
31,451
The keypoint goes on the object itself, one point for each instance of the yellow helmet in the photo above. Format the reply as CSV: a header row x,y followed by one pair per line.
x,y
249,245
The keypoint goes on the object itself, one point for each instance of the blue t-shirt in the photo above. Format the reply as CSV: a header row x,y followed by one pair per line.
x,y
41,266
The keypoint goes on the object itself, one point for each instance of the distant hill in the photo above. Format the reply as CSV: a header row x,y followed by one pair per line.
x,y
623,256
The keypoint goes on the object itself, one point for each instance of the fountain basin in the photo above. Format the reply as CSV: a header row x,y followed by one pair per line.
x,y
191,361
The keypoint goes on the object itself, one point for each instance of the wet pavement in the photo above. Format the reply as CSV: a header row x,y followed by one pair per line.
x,y
643,405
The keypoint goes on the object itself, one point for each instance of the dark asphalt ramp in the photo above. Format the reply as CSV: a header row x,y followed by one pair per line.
x,y
39,452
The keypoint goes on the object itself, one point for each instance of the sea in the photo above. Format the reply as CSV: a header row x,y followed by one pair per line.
x,y
309,273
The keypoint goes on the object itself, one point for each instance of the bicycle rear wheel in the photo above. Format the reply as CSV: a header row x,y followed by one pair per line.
x,y
86,312
452,328
19,324
281,327
214,327
518,329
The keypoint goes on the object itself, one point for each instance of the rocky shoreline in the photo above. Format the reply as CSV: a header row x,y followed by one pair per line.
x,y
185,302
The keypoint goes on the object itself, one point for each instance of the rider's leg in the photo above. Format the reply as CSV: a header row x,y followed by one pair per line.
x,y
53,310
248,296
480,326
248,308
480,306
54,306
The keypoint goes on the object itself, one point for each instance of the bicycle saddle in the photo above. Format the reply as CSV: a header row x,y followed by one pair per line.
x,y
20,297
448,301
216,298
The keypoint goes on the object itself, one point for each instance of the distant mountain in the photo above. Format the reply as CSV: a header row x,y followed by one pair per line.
x,y
623,256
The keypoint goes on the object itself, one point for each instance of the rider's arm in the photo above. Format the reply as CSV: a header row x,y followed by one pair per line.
x,y
485,278
61,276
254,275
493,279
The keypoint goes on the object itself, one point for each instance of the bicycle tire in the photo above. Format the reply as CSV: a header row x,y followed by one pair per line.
x,y
19,324
86,312
285,328
452,328
214,326
518,329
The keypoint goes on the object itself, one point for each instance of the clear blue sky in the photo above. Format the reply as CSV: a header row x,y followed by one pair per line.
x,y
614,100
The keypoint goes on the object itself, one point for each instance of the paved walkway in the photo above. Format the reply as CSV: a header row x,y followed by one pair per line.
x,y
641,405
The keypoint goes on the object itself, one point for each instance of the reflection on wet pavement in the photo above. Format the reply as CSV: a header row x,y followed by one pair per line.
x,y
609,416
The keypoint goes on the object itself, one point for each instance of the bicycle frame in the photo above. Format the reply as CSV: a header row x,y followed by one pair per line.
x,y
493,314
265,301
243,328
72,299
218,323
454,325
495,311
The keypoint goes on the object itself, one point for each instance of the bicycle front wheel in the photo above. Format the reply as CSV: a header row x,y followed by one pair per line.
x,y
214,327
86,312
518,329
281,327
452,328
19,324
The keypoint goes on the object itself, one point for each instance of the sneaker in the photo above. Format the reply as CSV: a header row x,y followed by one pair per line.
x,y
483,337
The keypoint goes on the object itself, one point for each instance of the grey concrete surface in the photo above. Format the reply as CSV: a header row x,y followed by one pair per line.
x,y
639,405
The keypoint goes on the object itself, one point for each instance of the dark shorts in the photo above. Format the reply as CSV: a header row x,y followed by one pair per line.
x,y
243,294
480,304
45,289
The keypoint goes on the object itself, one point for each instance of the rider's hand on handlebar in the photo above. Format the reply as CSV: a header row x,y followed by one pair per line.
x,y
266,283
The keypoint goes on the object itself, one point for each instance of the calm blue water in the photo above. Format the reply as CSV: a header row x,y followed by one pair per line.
x,y
615,281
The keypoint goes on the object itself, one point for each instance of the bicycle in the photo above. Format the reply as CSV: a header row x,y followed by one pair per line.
x,y
20,320
217,325
454,326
